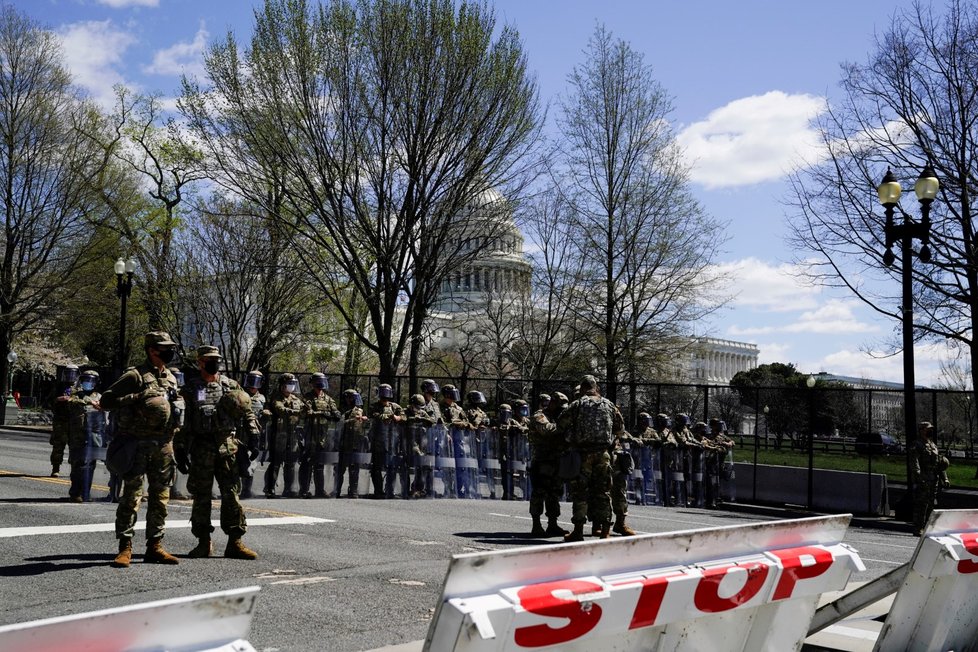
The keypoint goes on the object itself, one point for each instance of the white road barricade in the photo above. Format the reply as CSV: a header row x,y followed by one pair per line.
x,y
745,587
212,622
935,609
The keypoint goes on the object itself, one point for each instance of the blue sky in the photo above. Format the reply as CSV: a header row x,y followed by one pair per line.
x,y
747,78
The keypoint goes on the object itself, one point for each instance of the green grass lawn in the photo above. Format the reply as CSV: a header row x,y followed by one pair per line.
x,y
961,474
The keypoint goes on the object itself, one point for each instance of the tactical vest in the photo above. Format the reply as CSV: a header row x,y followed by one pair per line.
x,y
202,413
150,419
352,440
594,422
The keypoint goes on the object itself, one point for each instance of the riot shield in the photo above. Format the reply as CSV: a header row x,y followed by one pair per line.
x,y
519,455
728,478
83,470
444,476
466,445
674,476
696,462
396,460
422,459
492,444
327,457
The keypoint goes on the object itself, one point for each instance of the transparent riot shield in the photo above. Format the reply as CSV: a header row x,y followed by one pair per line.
x,y
444,475
466,445
728,478
352,458
83,470
647,475
696,462
324,467
396,465
675,477
422,459
492,445
519,456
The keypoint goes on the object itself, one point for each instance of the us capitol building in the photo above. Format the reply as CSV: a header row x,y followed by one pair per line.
x,y
503,274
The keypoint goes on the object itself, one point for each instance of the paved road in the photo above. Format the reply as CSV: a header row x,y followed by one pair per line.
x,y
361,575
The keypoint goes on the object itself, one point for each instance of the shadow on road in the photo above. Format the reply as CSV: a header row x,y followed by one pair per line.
x,y
35,499
506,538
48,564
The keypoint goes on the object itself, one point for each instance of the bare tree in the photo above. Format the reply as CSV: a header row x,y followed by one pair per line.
x,y
645,241
46,172
914,101
390,120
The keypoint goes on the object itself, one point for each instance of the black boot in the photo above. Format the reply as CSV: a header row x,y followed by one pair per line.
x,y
554,530
537,530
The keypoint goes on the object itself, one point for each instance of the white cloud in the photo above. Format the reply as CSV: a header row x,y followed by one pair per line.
x,y
768,352
835,317
753,139
860,364
762,286
94,53
181,58
120,4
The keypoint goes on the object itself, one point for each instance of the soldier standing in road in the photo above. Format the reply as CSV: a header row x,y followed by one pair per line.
x,y
319,409
246,468
352,442
86,427
66,375
546,446
142,404
622,467
419,421
283,439
205,449
454,418
927,463
590,425
468,443
424,473
508,430
385,414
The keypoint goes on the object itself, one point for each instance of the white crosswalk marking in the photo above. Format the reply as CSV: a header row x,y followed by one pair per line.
x,y
8,532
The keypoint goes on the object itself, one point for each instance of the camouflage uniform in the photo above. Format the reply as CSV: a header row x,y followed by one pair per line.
x,y
245,467
210,435
86,427
60,417
508,435
468,445
926,468
591,424
384,415
454,417
142,404
622,469
650,444
715,447
546,446
421,415
319,409
283,444
352,441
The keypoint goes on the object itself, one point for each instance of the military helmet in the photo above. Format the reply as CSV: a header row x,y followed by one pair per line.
x,y
88,380
450,391
288,381
475,398
67,373
544,401
561,399
682,419
521,407
417,400
319,380
286,377
644,420
353,397
588,383
428,386
254,380
700,428
89,372
385,391
235,405
662,420
504,413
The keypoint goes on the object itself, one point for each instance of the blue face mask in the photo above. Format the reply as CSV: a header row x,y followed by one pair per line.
x,y
87,385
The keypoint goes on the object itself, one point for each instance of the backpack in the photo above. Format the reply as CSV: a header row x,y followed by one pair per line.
x,y
595,421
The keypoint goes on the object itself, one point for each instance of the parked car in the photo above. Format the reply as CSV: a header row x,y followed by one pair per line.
x,y
878,443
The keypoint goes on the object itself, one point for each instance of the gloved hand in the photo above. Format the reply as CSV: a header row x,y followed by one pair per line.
x,y
182,459
253,454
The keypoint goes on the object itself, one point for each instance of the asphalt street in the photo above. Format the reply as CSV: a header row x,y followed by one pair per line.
x,y
357,575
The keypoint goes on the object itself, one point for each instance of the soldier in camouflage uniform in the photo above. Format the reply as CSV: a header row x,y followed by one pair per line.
x,y
716,445
927,465
508,429
384,415
283,438
649,446
623,465
319,409
426,416
67,375
546,446
246,468
205,449
86,426
590,425
352,441
453,415
519,447
142,404
467,446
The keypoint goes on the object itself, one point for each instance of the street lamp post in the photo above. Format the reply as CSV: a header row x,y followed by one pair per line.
x,y
124,269
810,383
11,361
889,191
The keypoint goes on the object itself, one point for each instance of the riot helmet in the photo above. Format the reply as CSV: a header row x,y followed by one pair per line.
x,y
417,400
89,380
352,398
475,398
254,380
67,374
682,419
662,421
522,408
385,392
504,413
288,383
644,421
177,376
428,386
561,400
451,392
319,381
544,401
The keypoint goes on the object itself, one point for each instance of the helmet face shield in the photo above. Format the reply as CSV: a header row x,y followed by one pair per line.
x,y
429,387
476,398
504,415
385,391
88,382
523,410
319,381
644,421
453,394
253,381
682,420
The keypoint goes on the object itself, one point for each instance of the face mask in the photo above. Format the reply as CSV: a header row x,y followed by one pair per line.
x,y
211,366
291,387
166,355
319,385
87,385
